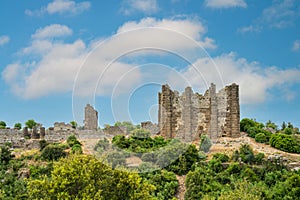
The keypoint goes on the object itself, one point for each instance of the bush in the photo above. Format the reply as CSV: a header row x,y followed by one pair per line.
x,y
5,155
246,153
76,149
43,144
53,152
246,123
261,138
205,143
285,143
221,157
72,140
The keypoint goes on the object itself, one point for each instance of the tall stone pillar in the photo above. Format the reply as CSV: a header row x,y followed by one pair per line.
x,y
25,132
213,128
42,132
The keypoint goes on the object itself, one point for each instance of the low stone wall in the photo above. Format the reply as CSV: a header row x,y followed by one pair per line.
x,y
10,135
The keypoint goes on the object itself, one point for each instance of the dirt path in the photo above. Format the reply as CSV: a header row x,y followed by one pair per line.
x,y
181,188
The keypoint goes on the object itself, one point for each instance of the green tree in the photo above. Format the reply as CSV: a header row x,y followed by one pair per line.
x,y
84,177
283,126
18,126
2,125
272,125
30,123
246,123
74,124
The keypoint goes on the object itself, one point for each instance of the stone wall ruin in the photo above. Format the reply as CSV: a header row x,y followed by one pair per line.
x,y
190,114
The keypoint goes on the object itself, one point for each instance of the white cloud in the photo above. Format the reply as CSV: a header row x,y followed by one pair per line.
x,y
50,66
52,31
144,6
4,39
279,15
225,3
255,81
192,28
296,45
61,7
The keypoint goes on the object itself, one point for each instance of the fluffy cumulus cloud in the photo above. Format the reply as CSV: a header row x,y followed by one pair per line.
x,y
4,39
279,15
51,31
255,81
52,66
144,6
225,3
61,7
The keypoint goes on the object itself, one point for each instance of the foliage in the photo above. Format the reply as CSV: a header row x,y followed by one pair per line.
x,y
139,142
43,144
72,140
246,123
243,190
74,124
272,125
165,183
52,152
116,158
261,138
129,126
30,123
2,125
176,157
102,145
285,143
18,126
76,149
205,143
5,155
84,177
221,157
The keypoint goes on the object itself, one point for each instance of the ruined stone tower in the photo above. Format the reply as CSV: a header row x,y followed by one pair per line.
x,y
90,118
191,114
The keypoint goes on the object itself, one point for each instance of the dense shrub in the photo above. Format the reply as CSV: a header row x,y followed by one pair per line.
x,y
221,157
139,142
165,183
261,138
43,144
5,155
76,149
72,140
53,152
246,123
285,143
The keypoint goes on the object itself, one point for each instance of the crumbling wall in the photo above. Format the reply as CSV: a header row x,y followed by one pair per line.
x,y
90,118
189,115
148,125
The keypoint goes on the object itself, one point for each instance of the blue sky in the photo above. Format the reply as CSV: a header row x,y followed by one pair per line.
x,y
58,55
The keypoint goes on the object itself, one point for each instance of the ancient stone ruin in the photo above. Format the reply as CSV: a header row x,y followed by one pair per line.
x,y
90,118
190,114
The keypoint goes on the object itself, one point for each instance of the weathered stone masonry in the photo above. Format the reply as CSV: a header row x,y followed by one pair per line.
x,y
191,114
90,118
